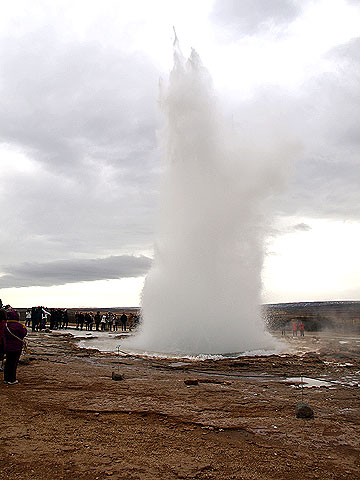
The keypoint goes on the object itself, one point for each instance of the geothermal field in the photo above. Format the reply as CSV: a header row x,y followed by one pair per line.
x,y
176,418
201,390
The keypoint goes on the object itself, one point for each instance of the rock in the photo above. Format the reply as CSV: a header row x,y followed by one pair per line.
x,y
303,410
24,361
117,376
191,381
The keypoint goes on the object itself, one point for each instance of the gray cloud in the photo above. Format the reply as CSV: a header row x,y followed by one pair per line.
x,y
71,271
87,117
247,17
323,118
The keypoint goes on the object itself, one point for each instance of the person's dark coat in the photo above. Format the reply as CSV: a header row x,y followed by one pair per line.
x,y
14,332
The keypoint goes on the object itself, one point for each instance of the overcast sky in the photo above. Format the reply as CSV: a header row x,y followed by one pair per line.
x,y
79,121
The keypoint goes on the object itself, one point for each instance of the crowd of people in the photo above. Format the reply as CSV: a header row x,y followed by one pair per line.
x,y
39,317
13,330
296,326
108,321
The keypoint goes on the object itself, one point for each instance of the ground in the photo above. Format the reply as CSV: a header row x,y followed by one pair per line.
x,y
68,419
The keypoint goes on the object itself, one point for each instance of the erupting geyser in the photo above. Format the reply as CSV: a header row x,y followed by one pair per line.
x,y
202,294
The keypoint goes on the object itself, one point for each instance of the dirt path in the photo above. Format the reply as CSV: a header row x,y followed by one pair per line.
x,y
67,419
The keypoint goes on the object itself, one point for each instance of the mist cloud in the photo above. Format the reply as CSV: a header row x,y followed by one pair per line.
x,y
247,17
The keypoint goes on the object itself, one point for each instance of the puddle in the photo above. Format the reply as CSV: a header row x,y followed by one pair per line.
x,y
178,364
308,382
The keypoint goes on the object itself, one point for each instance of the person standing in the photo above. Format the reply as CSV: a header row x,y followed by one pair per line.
x,y
123,320
302,329
65,318
97,319
2,327
14,333
81,320
103,322
87,321
294,328
28,318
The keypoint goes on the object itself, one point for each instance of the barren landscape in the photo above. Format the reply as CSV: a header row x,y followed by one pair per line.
x,y
68,419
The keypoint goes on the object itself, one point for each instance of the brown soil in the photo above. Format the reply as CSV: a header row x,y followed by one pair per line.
x,y
67,418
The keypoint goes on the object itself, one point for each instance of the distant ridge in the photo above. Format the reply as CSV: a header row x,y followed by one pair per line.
x,y
342,315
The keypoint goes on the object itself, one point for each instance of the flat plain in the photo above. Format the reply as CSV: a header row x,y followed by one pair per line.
x,y
68,419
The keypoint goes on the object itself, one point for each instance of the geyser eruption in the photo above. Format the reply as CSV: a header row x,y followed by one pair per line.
x,y
202,294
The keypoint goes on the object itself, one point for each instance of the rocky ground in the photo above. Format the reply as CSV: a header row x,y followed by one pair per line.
x,y
68,419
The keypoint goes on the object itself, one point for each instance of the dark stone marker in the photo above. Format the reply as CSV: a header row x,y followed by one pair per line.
x,y
303,410
117,376
191,382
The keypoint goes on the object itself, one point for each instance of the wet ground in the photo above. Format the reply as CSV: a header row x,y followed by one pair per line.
x,y
67,418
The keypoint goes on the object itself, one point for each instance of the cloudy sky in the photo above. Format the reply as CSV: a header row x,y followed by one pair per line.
x,y
79,121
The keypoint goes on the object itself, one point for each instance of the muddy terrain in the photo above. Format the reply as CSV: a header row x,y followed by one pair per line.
x,y
176,418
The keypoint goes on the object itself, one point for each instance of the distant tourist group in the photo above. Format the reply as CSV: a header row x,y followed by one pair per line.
x,y
108,321
296,326
12,335
13,330
38,318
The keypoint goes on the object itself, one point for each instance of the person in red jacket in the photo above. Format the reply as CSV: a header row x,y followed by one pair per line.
x,y
301,328
14,333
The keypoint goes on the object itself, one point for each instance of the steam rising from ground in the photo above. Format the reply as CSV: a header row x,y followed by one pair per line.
x,y
202,294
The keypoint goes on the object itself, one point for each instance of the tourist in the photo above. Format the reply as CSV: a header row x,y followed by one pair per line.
x,y
103,322
81,320
2,327
28,318
97,319
109,320
302,329
64,319
123,320
44,318
294,328
14,333
88,321
36,315
114,322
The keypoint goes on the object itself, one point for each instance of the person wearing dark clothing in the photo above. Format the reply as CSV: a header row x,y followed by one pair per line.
x,y
77,322
123,320
14,333
65,319
88,321
2,327
97,319
81,320
36,317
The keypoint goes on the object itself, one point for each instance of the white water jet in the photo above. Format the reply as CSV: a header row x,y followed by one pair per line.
x,y
202,294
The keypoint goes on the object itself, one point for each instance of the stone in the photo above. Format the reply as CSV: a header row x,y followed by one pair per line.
x,y
24,361
117,376
303,410
191,381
